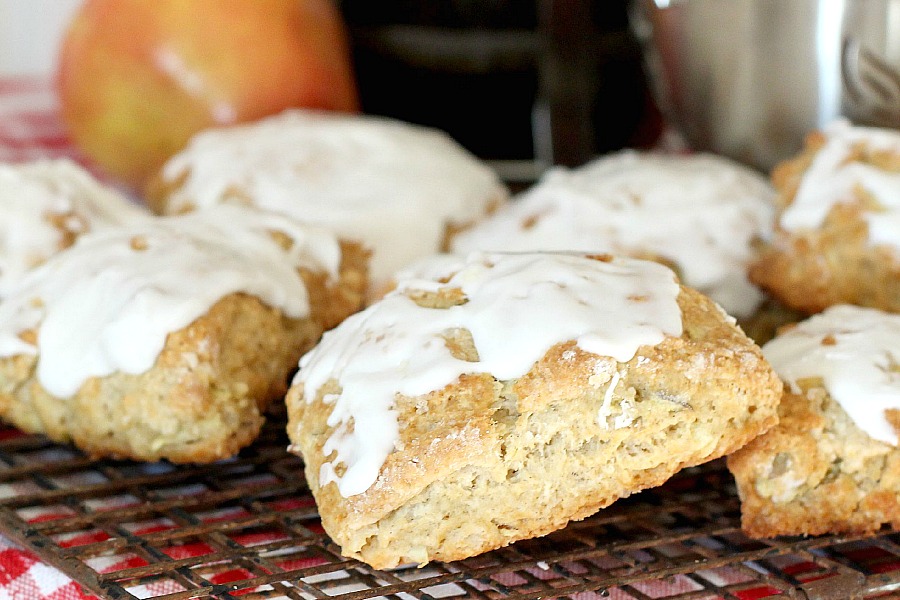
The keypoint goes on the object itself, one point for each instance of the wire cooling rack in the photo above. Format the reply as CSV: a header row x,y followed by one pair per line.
x,y
248,528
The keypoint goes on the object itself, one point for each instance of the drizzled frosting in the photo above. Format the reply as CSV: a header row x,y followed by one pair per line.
x,y
700,212
390,185
855,351
517,307
43,206
833,178
107,303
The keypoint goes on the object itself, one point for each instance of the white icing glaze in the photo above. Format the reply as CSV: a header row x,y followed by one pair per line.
x,y
855,351
391,185
832,179
107,303
518,306
700,211
43,202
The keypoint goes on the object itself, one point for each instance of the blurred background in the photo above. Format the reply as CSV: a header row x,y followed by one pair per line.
x,y
530,83
557,81
525,82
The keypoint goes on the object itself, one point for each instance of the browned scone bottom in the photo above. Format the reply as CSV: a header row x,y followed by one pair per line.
x,y
482,463
204,398
811,269
816,472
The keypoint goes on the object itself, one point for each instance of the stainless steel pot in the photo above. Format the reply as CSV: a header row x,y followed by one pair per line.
x,y
749,78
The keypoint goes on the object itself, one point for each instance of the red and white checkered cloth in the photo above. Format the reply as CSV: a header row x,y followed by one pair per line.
x,y
30,127
23,576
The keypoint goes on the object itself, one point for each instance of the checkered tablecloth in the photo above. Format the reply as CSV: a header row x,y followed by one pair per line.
x,y
30,127
24,576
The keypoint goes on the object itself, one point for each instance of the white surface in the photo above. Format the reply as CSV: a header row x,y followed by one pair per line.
x,y
30,35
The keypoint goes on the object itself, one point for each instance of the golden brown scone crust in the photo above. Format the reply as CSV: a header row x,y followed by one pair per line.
x,y
483,463
811,270
816,472
205,396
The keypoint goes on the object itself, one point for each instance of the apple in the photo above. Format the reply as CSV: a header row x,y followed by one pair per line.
x,y
137,78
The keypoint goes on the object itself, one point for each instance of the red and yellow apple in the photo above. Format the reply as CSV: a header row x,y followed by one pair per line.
x,y
137,78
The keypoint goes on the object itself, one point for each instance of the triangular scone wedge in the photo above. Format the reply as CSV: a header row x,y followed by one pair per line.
x,y
541,426
832,465
168,338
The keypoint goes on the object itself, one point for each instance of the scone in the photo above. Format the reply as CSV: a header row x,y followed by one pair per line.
x,y
836,237
832,464
167,338
394,187
515,393
45,206
699,213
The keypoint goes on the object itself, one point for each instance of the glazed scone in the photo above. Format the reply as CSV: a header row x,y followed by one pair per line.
x,y
394,187
513,394
699,213
832,464
167,338
45,206
836,236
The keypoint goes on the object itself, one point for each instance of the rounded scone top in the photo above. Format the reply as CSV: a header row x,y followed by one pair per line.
x,y
392,186
701,212
854,165
515,307
46,206
107,303
854,351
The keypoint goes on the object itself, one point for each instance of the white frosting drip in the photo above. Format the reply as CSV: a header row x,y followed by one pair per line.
x,y
518,306
700,211
391,185
856,353
108,302
833,178
33,196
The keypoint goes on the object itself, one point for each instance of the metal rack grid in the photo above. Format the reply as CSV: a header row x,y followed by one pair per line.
x,y
248,528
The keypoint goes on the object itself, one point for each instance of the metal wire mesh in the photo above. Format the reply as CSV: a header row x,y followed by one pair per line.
x,y
248,527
